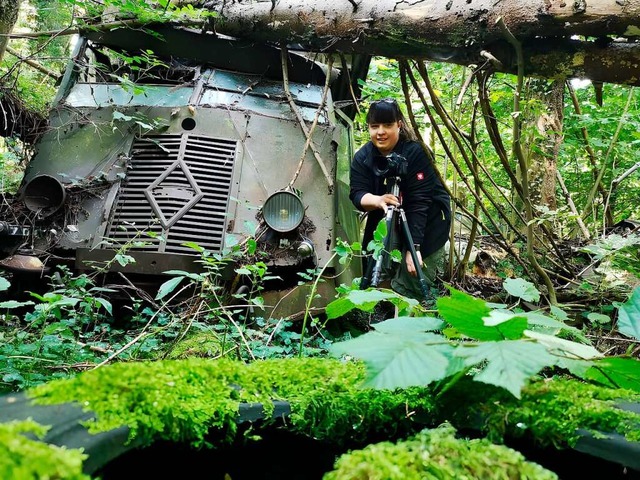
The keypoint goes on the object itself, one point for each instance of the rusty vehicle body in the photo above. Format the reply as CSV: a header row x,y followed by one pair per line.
x,y
160,141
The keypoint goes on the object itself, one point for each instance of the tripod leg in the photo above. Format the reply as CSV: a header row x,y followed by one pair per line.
x,y
374,267
424,286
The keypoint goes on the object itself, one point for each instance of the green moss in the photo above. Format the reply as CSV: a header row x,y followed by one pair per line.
x,y
23,458
202,345
436,454
182,400
551,410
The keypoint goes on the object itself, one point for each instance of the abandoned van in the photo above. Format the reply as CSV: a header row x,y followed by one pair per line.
x,y
161,141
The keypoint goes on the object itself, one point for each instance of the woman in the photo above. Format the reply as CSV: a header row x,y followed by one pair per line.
x,y
422,195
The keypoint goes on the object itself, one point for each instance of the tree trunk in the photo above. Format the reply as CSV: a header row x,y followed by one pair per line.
x,y
544,147
8,16
456,31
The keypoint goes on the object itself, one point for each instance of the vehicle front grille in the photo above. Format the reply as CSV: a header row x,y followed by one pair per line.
x,y
176,191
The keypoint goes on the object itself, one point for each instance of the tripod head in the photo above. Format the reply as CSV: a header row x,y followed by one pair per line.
x,y
393,185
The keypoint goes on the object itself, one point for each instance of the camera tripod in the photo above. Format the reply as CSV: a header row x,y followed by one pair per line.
x,y
395,215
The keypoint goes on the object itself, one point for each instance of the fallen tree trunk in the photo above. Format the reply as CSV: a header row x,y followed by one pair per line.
x,y
456,31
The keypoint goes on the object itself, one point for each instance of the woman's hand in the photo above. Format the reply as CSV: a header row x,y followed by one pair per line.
x,y
411,268
371,202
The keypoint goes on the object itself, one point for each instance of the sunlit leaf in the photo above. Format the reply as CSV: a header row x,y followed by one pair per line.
x,y
616,372
564,348
467,314
366,300
9,304
105,304
519,287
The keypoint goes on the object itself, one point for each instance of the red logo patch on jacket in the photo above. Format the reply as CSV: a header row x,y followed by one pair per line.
x,y
420,176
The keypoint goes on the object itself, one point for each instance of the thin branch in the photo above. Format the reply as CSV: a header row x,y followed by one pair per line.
x,y
572,206
323,102
32,63
517,150
301,122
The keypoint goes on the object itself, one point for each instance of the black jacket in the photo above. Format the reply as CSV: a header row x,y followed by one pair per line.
x,y
423,197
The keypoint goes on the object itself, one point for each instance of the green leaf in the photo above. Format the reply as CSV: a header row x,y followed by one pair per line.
x,y
381,231
193,276
629,316
124,260
409,325
509,324
252,246
616,372
105,304
467,314
4,284
121,116
507,364
398,361
558,313
540,322
564,348
366,300
167,287
521,288
9,304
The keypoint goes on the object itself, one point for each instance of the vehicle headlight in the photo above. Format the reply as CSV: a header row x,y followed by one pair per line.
x,y
283,211
43,195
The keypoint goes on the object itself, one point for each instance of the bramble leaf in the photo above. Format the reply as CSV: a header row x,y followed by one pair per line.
x,y
507,364
616,372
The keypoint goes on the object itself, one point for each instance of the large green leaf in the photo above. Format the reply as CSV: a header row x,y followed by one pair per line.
x,y
395,361
629,316
617,372
401,352
9,304
507,364
473,318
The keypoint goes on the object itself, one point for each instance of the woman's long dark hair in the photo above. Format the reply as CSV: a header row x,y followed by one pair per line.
x,y
387,110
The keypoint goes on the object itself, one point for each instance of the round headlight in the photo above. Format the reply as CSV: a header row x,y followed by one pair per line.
x,y
283,211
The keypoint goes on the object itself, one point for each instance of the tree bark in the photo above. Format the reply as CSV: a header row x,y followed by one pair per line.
x,y
544,147
456,31
8,16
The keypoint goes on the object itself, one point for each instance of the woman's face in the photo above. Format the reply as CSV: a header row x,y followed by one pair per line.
x,y
385,136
